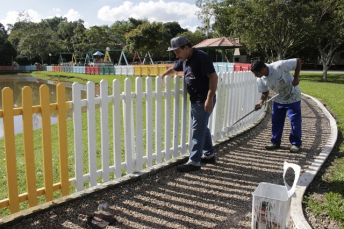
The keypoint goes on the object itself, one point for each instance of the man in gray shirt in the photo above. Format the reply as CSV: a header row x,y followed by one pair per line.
x,y
276,76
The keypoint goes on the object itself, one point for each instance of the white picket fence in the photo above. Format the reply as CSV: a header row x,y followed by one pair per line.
x,y
165,132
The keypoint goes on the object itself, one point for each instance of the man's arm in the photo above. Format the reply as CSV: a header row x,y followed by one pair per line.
x,y
261,101
169,72
297,72
209,103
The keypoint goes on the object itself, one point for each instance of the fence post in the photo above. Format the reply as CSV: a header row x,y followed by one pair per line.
x,y
167,118
158,113
139,128
116,93
46,143
176,116
149,121
78,148
104,119
10,151
183,118
127,126
28,146
92,149
62,133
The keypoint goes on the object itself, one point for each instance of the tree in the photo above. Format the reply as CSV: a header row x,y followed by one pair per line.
x,y
173,29
7,51
53,23
71,35
100,37
326,29
195,37
206,15
38,42
78,39
148,37
272,27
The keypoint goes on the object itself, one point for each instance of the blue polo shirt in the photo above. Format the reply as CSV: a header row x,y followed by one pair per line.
x,y
195,74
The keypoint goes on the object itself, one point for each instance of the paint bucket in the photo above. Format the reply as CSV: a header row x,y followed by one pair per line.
x,y
271,202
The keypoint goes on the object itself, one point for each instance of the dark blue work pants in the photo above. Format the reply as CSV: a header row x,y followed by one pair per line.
x,y
279,112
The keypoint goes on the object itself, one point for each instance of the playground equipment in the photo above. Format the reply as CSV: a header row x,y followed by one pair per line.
x,y
77,57
87,58
137,57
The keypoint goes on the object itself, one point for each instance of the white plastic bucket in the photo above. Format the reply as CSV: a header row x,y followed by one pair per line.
x,y
271,202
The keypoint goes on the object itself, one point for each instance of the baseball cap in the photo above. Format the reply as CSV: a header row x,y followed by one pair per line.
x,y
177,42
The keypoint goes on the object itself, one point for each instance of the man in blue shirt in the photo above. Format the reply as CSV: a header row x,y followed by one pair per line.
x,y
201,82
276,76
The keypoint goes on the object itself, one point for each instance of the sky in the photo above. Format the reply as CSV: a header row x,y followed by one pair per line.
x,y
103,12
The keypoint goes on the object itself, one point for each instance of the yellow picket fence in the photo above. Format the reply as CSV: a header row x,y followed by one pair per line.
x,y
7,113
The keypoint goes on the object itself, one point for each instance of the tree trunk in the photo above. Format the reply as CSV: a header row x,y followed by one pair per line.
x,y
324,76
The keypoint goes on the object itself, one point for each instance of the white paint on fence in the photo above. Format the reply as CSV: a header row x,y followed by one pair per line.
x,y
158,119
78,149
91,124
116,92
104,120
236,96
139,127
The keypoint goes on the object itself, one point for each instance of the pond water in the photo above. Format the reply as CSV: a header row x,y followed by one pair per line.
x,y
17,82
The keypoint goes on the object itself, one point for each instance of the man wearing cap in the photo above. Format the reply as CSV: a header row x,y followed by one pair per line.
x,y
201,82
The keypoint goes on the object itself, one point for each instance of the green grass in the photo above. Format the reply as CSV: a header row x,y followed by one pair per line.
x,y
330,202
38,141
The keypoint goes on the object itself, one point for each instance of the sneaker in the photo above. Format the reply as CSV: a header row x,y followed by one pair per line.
x,y
272,146
295,149
185,168
208,160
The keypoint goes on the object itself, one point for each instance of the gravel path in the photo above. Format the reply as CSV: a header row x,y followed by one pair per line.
x,y
218,196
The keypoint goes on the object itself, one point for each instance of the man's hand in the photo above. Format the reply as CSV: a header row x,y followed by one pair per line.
x,y
258,106
208,105
295,81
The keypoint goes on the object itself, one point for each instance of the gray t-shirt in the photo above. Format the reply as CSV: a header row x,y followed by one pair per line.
x,y
280,80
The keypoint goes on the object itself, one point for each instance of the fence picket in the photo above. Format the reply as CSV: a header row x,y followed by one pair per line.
x,y
221,104
190,143
46,142
116,108
78,148
62,135
158,114
139,128
104,120
183,119
227,105
11,162
167,118
91,133
176,116
127,126
28,146
149,122
236,99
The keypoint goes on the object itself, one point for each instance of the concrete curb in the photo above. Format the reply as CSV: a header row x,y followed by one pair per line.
x,y
304,181
27,213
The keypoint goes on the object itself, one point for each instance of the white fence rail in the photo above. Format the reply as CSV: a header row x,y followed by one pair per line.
x,y
163,133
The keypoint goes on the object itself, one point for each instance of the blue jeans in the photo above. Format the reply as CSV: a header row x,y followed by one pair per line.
x,y
201,137
279,112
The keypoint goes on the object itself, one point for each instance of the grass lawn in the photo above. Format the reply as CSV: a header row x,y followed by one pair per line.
x,y
328,201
